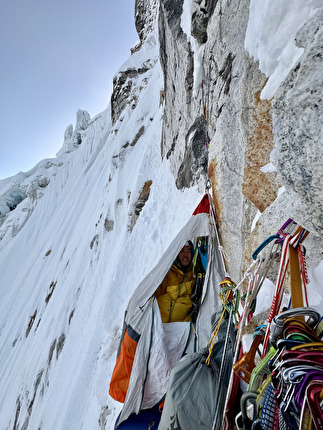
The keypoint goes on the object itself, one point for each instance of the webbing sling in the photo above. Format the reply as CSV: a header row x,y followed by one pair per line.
x,y
291,244
295,279
295,275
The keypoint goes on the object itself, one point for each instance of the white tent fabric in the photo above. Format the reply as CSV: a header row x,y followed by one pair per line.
x,y
197,225
161,346
168,344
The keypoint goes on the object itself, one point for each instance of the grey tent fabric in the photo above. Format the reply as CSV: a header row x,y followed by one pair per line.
x,y
196,391
191,395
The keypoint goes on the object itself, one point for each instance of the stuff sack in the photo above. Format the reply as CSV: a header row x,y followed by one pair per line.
x,y
196,392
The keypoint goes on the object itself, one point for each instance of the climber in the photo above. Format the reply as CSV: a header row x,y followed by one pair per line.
x,y
173,294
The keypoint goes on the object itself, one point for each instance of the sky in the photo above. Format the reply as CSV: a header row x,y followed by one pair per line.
x,y
56,57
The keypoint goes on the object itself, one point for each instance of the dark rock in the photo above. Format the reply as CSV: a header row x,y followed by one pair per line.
x,y
140,203
173,10
122,94
108,224
196,155
199,26
145,14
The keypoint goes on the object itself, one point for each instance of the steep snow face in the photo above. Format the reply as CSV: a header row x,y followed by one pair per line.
x,y
19,196
26,188
110,209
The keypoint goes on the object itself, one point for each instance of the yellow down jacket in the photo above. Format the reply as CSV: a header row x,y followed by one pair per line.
x,y
173,295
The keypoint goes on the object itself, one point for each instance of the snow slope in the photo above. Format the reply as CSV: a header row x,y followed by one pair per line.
x,y
66,276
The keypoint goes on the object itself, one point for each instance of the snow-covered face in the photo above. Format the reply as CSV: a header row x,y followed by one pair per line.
x,y
185,255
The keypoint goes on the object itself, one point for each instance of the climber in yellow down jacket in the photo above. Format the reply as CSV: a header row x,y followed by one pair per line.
x,y
173,294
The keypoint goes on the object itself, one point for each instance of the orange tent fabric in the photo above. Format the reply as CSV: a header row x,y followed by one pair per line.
x,y
121,374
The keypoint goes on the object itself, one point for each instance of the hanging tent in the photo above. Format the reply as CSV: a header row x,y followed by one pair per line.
x,y
150,349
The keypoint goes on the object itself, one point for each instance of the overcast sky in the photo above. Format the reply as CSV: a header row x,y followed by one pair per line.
x,y
57,56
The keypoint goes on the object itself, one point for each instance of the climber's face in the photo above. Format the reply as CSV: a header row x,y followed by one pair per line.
x,y
185,255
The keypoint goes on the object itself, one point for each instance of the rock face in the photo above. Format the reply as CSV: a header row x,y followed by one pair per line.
x,y
145,16
298,113
124,91
185,130
224,109
195,159
200,19
219,128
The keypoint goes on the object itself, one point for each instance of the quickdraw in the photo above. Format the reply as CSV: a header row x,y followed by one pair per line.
x,y
286,387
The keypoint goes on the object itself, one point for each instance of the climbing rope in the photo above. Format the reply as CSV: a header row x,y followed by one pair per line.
x,y
213,216
214,337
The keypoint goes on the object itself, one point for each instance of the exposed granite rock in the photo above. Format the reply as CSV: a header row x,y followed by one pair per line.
x,y
138,135
184,134
125,92
140,203
145,15
200,20
126,84
215,112
261,188
298,113
196,155
233,79
171,12
227,112
108,224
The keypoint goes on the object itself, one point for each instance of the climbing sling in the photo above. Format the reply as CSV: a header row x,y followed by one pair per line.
x,y
285,389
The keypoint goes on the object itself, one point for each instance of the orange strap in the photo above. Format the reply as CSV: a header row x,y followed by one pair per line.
x,y
295,279
295,275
